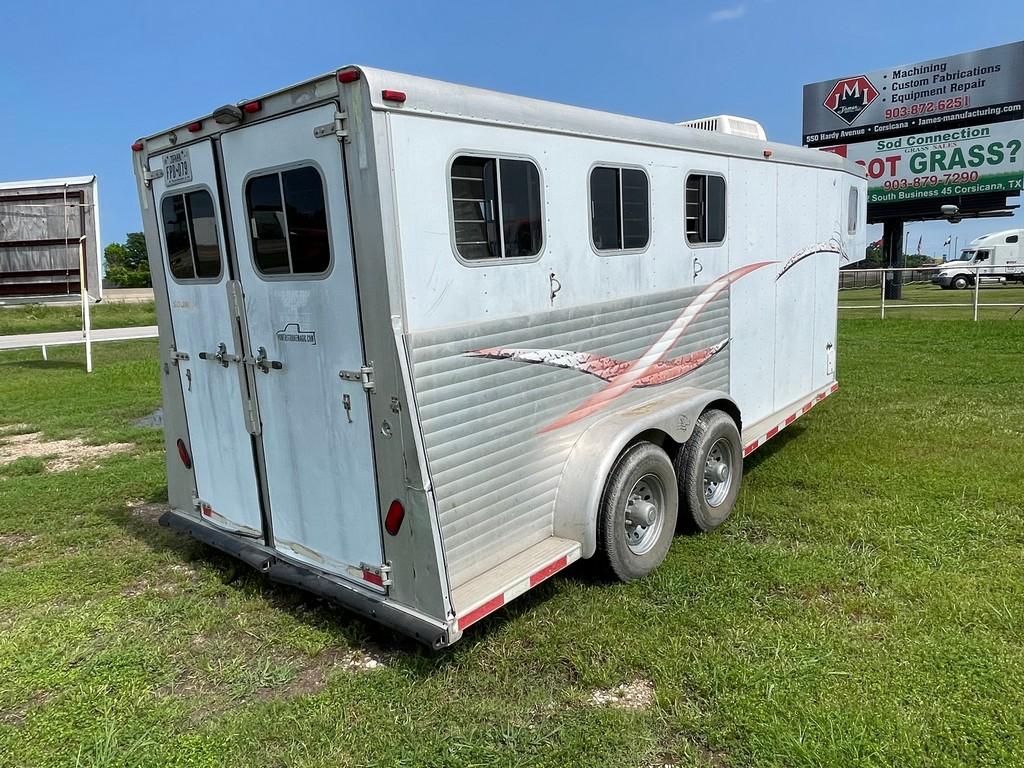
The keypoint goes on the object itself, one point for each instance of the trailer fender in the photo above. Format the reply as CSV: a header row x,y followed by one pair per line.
x,y
596,450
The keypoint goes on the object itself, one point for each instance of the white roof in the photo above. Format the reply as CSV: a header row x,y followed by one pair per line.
x,y
71,181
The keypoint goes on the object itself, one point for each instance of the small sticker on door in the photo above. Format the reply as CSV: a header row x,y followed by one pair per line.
x,y
293,333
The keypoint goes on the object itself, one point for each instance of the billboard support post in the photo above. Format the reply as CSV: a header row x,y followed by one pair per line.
x,y
86,324
892,243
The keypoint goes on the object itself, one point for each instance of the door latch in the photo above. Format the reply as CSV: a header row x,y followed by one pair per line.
x,y
346,402
221,356
265,364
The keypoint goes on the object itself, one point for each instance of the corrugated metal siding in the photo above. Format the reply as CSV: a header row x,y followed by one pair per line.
x,y
494,476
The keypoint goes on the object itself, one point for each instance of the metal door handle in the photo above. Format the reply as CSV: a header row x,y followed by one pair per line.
x,y
220,356
264,364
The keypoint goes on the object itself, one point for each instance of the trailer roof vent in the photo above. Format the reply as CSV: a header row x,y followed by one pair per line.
x,y
730,124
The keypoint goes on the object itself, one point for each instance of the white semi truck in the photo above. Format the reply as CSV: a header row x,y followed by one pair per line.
x,y
998,257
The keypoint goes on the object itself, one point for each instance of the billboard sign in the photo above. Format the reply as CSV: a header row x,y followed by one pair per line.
x,y
981,87
947,162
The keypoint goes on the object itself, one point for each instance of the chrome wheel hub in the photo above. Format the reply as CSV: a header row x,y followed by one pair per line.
x,y
645,514
718,471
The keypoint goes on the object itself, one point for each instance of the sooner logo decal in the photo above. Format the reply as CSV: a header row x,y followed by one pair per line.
x,y
850,97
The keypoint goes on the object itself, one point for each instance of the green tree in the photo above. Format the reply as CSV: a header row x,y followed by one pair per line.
x,y
127,262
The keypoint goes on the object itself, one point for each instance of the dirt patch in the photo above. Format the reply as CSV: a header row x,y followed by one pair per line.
x,y
148,511
12,540
636,695
61,455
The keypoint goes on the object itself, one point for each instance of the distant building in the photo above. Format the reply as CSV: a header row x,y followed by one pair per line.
x,y
41,223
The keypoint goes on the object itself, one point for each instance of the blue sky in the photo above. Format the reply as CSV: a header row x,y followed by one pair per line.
x,y
80,81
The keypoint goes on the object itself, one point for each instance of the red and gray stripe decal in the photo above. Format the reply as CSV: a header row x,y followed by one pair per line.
x,y
490,606
753,445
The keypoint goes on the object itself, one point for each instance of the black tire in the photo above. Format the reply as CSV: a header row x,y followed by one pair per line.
x,y
632,483
960,282
698,512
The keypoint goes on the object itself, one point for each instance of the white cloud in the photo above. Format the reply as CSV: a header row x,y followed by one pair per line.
x,y
728,14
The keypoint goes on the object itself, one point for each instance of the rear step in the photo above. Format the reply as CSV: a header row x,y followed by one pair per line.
x,y
494,588
373,606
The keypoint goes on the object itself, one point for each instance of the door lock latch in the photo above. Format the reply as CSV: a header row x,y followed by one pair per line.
x,y
221,356
265,364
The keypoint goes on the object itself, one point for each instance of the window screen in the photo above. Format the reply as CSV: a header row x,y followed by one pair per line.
x,y
705,208
190,233
496,208
620,209
852,211
288,217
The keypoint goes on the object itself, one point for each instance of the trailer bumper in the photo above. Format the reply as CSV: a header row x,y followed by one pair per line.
x,y
434,633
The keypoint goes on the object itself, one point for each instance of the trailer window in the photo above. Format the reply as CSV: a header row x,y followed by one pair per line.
x,y
1011,238
496,208
620,210
288,217
190,233
705,209
851,215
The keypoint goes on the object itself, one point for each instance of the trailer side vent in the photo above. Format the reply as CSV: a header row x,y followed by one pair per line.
x,y
729,124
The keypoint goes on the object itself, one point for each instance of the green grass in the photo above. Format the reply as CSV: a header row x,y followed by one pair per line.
x,y
41,318
917,293
862,606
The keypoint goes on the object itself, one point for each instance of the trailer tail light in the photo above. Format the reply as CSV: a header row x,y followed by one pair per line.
x,y
137,146
396,96
252,107
395,516
183,454
348,76
195,127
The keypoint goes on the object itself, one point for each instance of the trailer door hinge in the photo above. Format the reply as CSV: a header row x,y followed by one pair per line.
x,y
336,128
148,176
177,356
382,572
364,375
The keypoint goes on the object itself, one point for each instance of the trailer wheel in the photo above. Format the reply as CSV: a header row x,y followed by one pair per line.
x,y
639,509
709,467
960,282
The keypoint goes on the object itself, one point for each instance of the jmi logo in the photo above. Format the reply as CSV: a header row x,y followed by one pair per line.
x,y
851,96
293,333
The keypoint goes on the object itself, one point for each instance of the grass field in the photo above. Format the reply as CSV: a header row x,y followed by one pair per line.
x,y
862,607
40,318
916,293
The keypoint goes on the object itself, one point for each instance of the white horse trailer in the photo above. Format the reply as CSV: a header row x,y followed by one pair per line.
x,y
425,345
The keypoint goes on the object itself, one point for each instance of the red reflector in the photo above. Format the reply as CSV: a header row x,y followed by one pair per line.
x,y
373,578
348,76
393,96
137,146
195,127
183,454
251,107
395,516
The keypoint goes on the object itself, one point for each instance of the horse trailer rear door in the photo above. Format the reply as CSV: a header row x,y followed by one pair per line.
x,y
206,338
289,212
